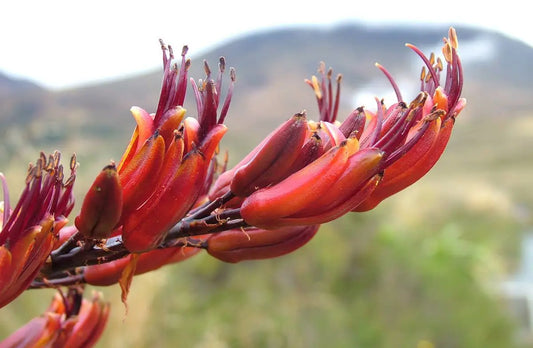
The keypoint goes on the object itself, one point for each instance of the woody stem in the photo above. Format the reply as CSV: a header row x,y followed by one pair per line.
x,y
64,263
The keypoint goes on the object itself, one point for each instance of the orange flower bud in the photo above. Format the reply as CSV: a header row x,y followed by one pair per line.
x,y
173,118
141,133
256,244
140,175
109,273
147,228
102,206
362,166
302,189
273,160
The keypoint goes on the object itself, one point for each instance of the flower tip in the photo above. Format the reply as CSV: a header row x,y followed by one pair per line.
x,y
316,87
73,162
461,103
111,167
447,51
302,114
452,37
222,64
207,70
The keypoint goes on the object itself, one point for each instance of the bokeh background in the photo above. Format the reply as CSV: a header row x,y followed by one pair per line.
x,y
445,263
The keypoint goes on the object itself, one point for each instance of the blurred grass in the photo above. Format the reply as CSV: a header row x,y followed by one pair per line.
x,y
421,267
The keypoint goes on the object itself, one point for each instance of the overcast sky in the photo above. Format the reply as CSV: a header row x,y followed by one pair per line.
x,y
65,43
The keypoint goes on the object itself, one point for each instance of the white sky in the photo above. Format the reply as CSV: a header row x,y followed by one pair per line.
x,y
63,43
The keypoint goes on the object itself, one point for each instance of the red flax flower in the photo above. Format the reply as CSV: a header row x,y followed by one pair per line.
x,y
164,172
166,167
309,173
30,230
70,321
256,244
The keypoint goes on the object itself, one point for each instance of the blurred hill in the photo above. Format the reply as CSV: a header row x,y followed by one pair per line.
x,y
421,266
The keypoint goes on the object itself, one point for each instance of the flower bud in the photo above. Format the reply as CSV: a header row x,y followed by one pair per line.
x,y
102,206
273,160
256,243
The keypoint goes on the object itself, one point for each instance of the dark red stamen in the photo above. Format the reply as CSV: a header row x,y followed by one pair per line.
x,y
208,117
337,99
455,76
400,114
402,150
392,82
229,95
428,64
330,96
174,85
44,195
207,96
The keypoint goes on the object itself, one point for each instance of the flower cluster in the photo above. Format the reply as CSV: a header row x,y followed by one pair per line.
x,y
169,197
165,168
30,230
307,173
69,321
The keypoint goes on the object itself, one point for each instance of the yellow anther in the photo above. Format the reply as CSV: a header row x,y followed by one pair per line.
x,y
447,51
73,162
428,78
316,87
439,65
423,74
419,100
452,37
60,175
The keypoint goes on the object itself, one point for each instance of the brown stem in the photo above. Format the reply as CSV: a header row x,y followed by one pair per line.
x,y
209,207
69,280
81,256
70,244
64,261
